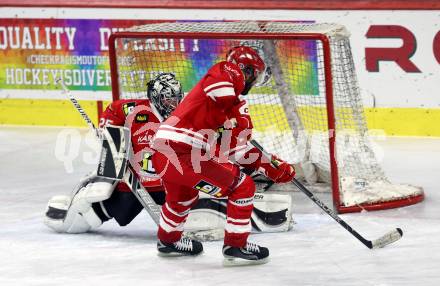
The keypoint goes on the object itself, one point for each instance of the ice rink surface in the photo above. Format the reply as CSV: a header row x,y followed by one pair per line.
x,y
316,252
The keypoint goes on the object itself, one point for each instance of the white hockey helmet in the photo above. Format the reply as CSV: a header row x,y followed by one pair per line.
x,y
165,92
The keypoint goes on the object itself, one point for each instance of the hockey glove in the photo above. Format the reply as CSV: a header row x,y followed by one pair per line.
x,y
277,170
237,130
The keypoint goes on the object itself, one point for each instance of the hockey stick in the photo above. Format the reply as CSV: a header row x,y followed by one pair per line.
x,y
130,177
132,180
382,241
78,106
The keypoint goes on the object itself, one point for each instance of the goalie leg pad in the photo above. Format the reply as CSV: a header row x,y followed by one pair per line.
x,y
76,215
272,212
206,220
56,211
63,217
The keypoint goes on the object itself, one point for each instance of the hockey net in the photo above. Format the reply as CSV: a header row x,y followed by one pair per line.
x,y
309,113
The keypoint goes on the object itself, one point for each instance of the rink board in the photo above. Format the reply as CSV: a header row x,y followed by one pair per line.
x,y
47,112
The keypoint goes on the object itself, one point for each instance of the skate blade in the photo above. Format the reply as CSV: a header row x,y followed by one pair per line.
x,y
171,254
232,262
176,254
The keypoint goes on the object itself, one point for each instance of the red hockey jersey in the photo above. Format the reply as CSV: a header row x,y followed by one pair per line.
x,y
206,108
142,119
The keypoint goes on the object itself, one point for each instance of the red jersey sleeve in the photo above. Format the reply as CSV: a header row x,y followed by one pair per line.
x,y
223,84
112,115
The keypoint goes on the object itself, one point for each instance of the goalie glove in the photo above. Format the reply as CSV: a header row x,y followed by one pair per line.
x,y
277,170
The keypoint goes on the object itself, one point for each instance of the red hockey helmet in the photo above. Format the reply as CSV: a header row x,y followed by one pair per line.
x,y
250,64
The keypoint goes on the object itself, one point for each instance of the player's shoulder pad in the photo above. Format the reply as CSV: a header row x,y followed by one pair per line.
x,y
226,71
235,74
233,70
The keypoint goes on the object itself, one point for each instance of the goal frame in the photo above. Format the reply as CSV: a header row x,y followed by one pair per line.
x,y
325,41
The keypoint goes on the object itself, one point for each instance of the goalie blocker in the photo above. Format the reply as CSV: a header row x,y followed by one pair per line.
x,y
97,199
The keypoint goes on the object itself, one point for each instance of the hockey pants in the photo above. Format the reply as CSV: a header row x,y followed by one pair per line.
x,y
218,180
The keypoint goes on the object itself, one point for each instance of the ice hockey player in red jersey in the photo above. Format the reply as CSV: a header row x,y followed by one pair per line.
x,y
185,144
95,201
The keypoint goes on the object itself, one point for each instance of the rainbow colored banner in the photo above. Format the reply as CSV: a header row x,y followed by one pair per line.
x,y
35,52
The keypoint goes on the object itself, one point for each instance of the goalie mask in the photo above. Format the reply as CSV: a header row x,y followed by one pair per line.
x,y
250,64
165,92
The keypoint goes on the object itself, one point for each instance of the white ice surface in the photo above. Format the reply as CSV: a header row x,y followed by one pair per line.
x,y
316,252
